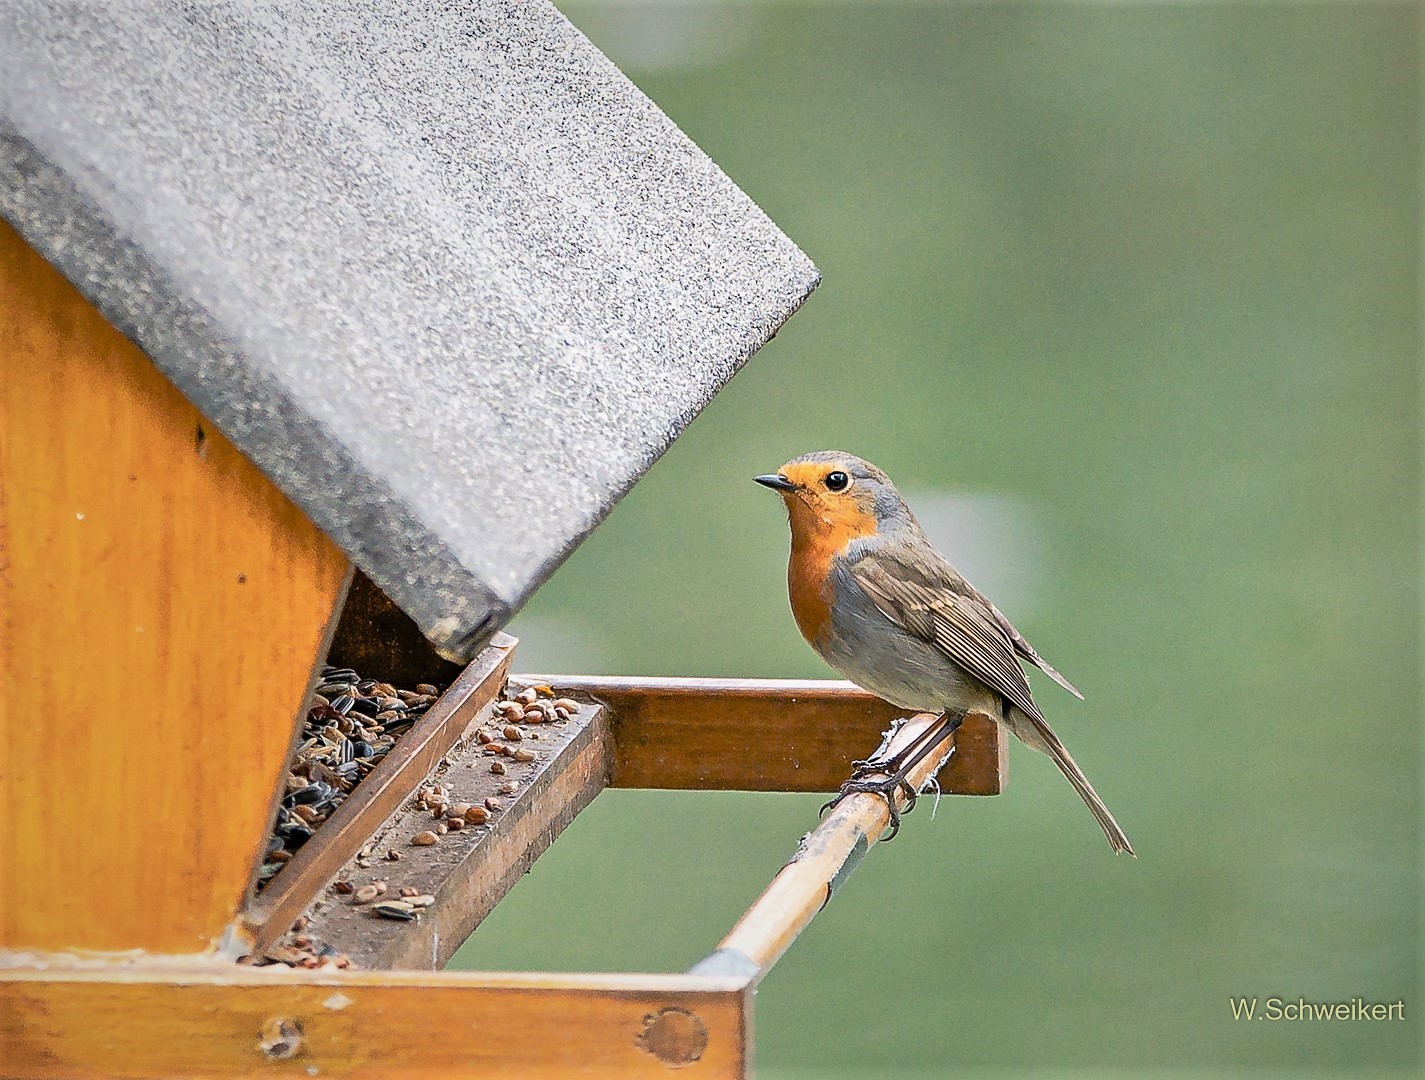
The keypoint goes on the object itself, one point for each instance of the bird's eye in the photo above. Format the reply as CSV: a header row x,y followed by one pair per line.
x,y
837,481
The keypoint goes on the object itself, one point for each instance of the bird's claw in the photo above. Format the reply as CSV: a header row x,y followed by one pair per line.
x,y
886,788
878,762
870,766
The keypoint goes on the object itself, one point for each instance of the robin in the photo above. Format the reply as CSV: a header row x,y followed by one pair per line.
x,y
875,599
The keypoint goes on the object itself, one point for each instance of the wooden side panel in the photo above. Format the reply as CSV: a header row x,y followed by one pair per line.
x,y
763,734
374,635
371,1026
161,608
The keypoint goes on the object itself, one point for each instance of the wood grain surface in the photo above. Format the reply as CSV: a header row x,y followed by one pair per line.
x,y
374,635
244,1022
162,607
763,734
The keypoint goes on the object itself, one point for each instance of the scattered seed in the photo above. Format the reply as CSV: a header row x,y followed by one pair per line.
x,y
477,815
484,736
455,824
366,894
522,754
392,855
527,696
497,767
427,689
395,909
509,787
513,733
343,888
494,804
424,839
441,829
543,688
569,705
460,809
424,900
407,892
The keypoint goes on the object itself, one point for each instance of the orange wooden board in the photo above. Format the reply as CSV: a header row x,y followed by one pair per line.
x,y
369,1026
162,607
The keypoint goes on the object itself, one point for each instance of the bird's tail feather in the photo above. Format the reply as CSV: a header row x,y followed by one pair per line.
x,y
1036,733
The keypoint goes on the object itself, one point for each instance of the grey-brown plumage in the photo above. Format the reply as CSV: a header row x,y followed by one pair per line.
x,y
900,621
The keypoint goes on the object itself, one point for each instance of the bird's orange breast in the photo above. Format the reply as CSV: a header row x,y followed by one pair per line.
x,y
817,539
807,588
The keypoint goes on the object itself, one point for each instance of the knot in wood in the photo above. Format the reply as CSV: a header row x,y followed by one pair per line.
x,y
281,1038
674,1036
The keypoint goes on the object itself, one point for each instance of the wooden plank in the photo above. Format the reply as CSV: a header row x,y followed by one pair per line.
x,y
467,871
375,635
163,608
390,784
762,734
239,1022
824,859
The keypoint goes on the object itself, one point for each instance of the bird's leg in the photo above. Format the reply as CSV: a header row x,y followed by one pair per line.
x,y
897,777
876,762
879,762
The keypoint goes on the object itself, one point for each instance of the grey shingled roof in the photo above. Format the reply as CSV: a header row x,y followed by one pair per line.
x,y
439,269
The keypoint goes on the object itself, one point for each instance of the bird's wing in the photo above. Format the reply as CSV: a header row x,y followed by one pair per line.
x,y
1026,650
931,601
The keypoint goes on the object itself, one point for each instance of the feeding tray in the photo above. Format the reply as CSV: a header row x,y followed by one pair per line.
x,y
328,331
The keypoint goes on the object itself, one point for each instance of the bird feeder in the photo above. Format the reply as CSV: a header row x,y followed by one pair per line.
x,y
327,333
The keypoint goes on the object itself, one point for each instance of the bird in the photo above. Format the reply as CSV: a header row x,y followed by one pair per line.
x,y
877,601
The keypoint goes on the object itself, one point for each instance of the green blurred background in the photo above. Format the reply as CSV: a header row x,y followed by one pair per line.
x,y
1127,299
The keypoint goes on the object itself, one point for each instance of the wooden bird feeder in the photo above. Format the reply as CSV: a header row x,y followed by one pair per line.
x,y
326,334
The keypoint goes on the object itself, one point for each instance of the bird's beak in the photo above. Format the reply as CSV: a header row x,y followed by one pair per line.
x,y
775,481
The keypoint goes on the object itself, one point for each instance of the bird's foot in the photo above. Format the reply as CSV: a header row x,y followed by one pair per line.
x,y
880,761
886,787
887,774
